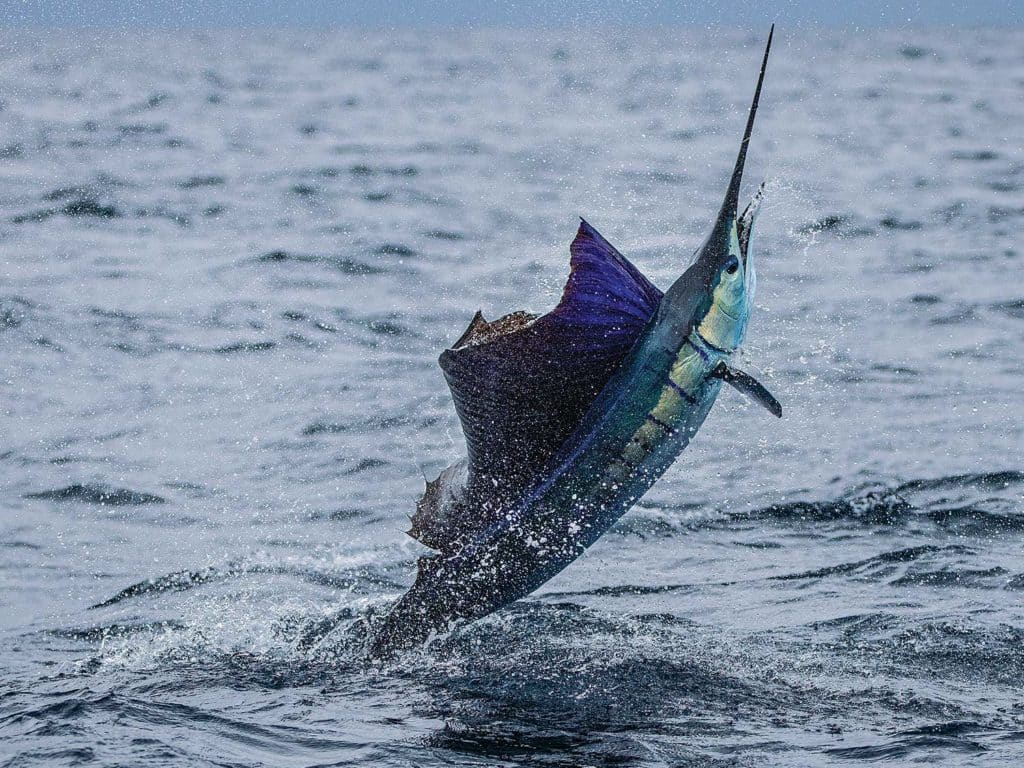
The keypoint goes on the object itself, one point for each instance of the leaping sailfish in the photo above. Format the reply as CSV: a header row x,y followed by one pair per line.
x,y
572,416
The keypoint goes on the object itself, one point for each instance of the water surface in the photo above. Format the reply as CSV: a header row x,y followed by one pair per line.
x,y
228,262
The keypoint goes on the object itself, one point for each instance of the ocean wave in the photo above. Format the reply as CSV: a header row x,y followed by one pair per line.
x,y
102,495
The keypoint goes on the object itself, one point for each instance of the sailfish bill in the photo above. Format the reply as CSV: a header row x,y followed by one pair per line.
x,y
732,194
571,416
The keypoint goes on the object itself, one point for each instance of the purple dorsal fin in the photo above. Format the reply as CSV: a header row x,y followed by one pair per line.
x,y
604,288
522,383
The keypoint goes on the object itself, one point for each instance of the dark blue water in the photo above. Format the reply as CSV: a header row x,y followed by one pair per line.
x,y
228,262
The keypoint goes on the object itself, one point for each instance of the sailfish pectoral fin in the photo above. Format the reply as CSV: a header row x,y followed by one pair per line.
x,y
749,386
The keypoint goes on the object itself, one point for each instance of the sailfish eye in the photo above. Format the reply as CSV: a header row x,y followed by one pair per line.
x,y
732,266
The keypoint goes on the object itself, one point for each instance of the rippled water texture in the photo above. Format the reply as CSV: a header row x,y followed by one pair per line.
x,y
228,263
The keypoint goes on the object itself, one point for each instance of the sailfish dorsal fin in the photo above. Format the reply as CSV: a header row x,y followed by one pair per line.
x,y
522,383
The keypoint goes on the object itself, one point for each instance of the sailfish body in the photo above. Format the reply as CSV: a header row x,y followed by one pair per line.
x,y
570,417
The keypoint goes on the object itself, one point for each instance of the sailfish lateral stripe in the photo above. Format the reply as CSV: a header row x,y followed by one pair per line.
x,y
715,347
658,422
682,392
697,347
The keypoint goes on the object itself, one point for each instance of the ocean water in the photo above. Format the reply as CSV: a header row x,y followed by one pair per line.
x,y
229,260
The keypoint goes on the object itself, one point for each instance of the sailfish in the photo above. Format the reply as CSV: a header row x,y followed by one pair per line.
x,y
570,417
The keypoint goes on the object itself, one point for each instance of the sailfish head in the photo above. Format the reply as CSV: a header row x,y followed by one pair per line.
x,y
716,292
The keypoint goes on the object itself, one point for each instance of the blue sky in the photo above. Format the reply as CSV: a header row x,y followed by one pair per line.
x,y
462,13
